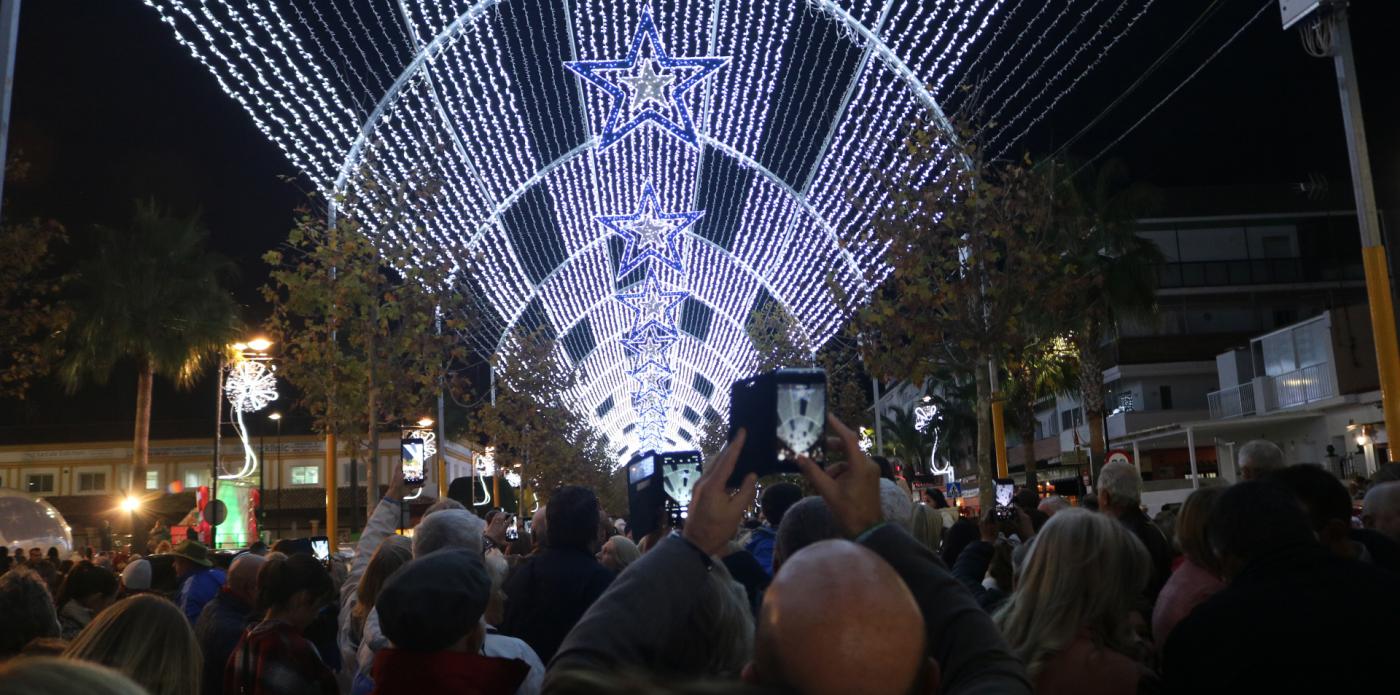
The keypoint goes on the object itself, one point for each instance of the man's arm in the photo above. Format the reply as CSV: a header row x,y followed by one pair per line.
x,y
970,650
633,619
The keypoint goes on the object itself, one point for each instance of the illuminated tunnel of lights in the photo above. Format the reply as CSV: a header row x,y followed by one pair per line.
x,y
636,178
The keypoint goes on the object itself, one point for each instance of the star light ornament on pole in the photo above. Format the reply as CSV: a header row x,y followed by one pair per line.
x,y
640,85
249,387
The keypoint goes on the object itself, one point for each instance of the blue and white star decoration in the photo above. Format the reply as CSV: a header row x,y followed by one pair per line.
x,y
649,233
646,83
648,86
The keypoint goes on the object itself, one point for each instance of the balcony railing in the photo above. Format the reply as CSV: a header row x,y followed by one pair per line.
x,y
1254,272
1232,402
1306,385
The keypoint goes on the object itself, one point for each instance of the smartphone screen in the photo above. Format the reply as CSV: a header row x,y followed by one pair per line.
x,y
413,462
1005,489
641,470
679,471
321,548
801,411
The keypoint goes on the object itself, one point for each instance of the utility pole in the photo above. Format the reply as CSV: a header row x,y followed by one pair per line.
x,y
1329,34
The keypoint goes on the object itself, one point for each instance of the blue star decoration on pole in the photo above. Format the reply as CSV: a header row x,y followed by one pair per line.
x,y
653,305
648,78
649,233
653,379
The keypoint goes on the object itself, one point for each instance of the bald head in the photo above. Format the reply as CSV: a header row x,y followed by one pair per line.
x,y
243,576
837,619
1382,510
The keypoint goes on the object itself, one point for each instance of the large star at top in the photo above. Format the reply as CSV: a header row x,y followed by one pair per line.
x,y
647,86
653,305
649,233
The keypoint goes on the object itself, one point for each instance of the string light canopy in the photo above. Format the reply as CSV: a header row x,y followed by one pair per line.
x,y
632,177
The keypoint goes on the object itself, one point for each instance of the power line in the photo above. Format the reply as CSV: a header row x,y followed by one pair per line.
x,y
1267,4
1191,30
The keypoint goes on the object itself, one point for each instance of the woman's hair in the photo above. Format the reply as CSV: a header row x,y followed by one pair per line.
x,y
624,550
43,675
148,639
282,578
935,497
926,525
393,553
1191,526
1084,572
84,580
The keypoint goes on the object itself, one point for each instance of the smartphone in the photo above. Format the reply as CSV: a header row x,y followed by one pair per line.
x,y
1005,489
646,496
321,548
784,414
413,462
679,471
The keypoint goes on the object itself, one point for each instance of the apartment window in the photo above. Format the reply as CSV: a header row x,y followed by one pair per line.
x,y
306,475
194,479
1066,420
152,480
1165,393
1078,417
92,482
39,483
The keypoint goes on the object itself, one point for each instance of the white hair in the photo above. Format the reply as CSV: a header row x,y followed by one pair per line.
x,y
497,568
1383,498
1262,455
1122,483
895,503
1052,504
449,528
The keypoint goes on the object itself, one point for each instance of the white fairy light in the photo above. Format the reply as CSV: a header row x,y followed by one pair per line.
x,y
539,118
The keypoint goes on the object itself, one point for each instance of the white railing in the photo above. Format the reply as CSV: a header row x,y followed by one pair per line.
x,y
1232,402
1306,385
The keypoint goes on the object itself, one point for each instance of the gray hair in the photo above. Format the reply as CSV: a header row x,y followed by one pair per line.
x,y
895,503
1262,455
806,522
449,528
1122,483
1052,504
28,608
1383,498
718,636
443,504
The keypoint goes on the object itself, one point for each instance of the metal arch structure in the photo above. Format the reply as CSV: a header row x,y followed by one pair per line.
x,y
486,97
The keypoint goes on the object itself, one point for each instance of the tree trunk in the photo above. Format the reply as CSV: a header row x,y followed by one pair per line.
x,y
141,450
986,490
1091,397
1027,418
372,393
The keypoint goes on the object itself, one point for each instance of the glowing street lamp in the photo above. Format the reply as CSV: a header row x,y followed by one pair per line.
x,y
131,504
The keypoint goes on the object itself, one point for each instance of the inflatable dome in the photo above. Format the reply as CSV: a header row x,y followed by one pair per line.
x,y
27,522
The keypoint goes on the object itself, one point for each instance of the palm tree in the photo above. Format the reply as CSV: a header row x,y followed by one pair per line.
x,y
1046,368
904,440
1115,271
151,295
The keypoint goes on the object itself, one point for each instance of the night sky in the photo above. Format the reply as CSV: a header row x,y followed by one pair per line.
x,y
108,109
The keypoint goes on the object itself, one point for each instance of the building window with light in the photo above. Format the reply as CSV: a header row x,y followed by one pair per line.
x,y
152,480
194,479
306,475
39,483
92,482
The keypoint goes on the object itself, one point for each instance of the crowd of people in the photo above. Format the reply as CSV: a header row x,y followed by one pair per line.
x,y
840,583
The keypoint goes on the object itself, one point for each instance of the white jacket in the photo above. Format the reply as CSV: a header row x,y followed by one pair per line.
x,y
382,524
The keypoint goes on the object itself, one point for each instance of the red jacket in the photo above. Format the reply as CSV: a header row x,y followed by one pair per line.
x,y
399,672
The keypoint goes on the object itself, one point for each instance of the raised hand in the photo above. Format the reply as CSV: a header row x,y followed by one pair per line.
x,y
851,489
715,514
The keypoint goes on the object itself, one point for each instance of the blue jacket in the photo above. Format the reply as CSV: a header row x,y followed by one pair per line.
x,y
199,588
761,544
218,630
